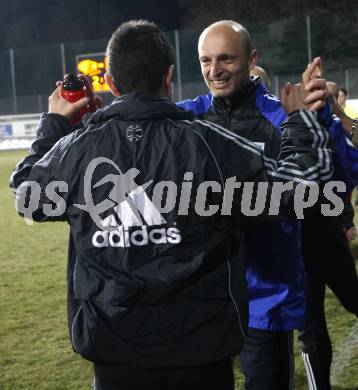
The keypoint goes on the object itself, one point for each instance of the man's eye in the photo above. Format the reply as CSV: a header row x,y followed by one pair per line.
x,y
205,61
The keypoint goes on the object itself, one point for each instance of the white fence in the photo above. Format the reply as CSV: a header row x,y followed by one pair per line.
x,y
17,131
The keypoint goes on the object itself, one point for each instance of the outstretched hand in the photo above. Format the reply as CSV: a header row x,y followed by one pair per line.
x,y
310,94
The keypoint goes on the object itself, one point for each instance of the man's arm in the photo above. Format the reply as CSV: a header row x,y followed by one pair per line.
x,y
257,186
44,163
277,189
350,125
305,156
346,154
337,110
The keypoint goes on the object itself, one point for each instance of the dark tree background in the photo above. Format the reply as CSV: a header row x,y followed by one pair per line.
x,y
278,28
34,28
30,23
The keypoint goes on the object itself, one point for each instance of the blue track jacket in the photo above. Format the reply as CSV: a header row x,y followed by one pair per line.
x,y
275,269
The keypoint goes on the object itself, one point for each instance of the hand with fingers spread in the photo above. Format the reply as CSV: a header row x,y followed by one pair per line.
x,y
310,94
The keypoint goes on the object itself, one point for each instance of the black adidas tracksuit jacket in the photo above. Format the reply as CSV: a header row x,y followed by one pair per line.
x,y
159,288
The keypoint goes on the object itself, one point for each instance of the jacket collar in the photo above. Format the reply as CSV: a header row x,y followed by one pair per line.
x,y
239,98
136,106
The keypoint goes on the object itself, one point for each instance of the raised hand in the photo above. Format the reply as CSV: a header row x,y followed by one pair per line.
x,y
311,94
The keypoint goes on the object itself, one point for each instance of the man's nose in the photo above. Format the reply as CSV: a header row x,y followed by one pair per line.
x,y
215,69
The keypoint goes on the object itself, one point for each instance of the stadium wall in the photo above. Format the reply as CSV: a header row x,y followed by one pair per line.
x,y
17,131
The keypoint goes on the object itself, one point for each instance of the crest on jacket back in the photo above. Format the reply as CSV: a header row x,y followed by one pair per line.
x,y
134,133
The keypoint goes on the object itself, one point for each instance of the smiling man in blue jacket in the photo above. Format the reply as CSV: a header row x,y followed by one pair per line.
x,y
275,268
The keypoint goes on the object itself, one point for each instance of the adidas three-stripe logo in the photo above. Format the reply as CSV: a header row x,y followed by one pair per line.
x,y
128,211
137,214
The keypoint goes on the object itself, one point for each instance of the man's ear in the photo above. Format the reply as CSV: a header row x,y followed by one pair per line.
x,y
168,80
253,59
112,86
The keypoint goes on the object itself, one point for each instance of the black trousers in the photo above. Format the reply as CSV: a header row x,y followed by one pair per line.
x,y
267,360
315,340
216,376
328,261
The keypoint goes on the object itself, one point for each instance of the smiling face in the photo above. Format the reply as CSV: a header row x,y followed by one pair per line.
x,y
225,60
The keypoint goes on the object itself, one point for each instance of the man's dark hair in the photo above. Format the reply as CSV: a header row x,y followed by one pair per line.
x,y
139,55
344,91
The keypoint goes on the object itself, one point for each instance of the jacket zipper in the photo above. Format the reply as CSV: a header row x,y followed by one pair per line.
x,y
228,111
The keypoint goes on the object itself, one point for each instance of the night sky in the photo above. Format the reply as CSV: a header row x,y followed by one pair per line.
x,y
28,23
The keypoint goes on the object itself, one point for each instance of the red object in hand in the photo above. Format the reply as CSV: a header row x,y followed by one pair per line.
x,y
75,88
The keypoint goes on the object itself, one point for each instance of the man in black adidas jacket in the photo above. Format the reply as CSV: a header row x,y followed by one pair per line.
x,y
158,296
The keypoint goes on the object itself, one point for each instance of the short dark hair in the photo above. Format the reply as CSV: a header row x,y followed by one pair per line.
x,y
139,55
